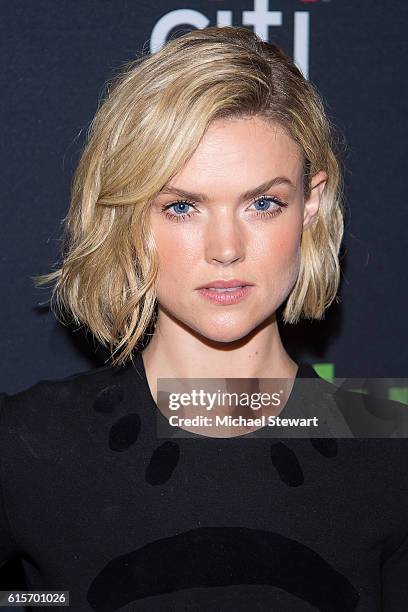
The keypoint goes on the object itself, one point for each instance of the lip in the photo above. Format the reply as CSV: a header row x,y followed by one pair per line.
x,y
225,284
226,298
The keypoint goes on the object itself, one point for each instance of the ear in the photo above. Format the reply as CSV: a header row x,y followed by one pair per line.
x,y
312,204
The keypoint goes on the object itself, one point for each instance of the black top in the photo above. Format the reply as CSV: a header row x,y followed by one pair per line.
x,y
94,502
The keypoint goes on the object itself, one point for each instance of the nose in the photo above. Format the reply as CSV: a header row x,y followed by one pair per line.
x,y
224,240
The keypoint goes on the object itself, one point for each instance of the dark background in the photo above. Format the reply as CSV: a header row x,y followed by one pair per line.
x,y
56,58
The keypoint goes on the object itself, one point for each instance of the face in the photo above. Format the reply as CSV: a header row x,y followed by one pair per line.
x,y
220,218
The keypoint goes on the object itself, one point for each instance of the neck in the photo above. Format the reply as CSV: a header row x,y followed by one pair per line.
x,y
176,352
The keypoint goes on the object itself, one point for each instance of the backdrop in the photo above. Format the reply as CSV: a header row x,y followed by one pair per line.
x,y
56,58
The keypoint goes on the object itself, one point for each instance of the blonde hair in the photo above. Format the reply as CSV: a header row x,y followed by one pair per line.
x,y
147,126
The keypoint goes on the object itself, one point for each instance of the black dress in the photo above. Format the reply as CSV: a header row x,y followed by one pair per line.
x,y
95,503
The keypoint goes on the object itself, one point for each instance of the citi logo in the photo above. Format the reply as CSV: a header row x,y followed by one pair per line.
x,y
260,18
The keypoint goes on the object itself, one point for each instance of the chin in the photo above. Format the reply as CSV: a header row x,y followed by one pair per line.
x,y
224,332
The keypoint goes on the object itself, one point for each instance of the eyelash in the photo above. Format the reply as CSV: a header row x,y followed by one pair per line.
x,y
259,213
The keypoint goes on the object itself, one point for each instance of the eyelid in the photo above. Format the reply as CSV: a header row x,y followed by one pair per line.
x,y
270,197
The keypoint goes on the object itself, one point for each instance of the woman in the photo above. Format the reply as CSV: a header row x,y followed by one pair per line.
x,y
208,196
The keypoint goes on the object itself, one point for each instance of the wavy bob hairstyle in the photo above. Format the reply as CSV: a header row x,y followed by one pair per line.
x,y
147,126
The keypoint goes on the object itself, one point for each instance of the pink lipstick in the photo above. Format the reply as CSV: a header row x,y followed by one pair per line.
x,y
225,292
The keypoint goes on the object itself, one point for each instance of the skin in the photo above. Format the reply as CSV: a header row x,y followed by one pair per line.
x,y
224,239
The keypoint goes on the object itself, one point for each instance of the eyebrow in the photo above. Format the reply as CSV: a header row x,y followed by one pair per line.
x,y
252,193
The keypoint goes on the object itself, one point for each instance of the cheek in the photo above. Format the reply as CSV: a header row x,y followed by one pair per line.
x,y
177,255
290,261
280,256
282,245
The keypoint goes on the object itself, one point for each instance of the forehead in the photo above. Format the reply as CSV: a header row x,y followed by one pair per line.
x,y
238,153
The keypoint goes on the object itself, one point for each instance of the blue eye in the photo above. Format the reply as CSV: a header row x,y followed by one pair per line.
x,y
183,205
263,199
274,206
